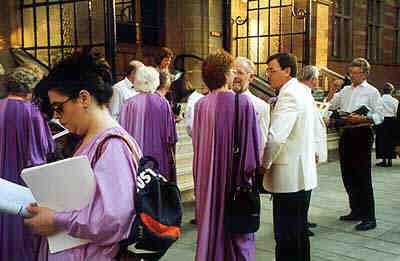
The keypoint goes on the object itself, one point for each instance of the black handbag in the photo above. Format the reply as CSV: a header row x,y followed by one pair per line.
x,y
242,213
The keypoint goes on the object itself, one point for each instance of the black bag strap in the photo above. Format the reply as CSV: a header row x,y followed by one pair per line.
x,y
236,149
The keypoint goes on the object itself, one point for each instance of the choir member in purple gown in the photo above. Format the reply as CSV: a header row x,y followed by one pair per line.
x,y
77,92
213,144
147,116
25,140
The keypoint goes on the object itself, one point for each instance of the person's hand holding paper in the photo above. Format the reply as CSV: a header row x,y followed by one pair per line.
x,y
42,221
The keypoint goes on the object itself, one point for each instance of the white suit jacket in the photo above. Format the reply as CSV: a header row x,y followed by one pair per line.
x,y
290,149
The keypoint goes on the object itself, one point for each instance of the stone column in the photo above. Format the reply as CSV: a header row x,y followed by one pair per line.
x,y
320,34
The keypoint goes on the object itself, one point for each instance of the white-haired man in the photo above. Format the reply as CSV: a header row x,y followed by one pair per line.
x,y
245,72
309,77
124,89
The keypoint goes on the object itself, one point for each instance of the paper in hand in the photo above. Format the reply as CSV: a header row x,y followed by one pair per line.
x,y
15,198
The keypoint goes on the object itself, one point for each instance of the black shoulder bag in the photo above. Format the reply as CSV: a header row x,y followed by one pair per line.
x,y
242,213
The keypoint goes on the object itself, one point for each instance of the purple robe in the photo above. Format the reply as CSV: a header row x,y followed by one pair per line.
x,y
213,145
25,141
150,121
109,216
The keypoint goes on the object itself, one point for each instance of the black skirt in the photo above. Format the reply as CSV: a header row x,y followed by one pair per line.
x,y
385,139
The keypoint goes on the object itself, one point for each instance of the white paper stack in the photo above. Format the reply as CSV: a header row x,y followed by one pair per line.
x,y
63,185
15,198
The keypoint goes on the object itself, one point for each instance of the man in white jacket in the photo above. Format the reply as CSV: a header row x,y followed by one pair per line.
x,y
289,158
309,76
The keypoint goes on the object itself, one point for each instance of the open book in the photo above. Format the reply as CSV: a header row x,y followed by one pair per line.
x,y
63,185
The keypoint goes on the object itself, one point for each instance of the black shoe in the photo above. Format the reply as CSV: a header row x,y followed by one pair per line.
x,y
350,217
389,164
381,164
311,225
310,233
366,225
193,221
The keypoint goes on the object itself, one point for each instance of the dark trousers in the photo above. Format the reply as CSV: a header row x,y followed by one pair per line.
x,y
308,200
355,162
290,217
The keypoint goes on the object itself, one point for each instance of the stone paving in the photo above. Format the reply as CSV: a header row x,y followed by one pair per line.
x,y
334,239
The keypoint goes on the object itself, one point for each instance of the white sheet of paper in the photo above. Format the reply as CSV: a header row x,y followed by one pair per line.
x,y
63,185
15,198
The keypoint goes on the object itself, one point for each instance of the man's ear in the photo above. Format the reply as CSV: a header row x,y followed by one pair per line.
x,y
288,70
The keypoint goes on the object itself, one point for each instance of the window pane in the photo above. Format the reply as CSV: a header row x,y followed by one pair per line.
x,y
41,26
28,26
347,7
55,27
98,21
68,24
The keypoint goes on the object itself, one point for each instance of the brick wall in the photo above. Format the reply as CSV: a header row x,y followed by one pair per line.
x,y
381,72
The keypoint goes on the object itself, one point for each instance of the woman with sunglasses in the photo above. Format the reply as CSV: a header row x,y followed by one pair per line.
x,y
77,92
25,140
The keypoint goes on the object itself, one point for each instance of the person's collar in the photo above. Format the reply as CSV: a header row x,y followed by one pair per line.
x,y
363,84
291,81
128,82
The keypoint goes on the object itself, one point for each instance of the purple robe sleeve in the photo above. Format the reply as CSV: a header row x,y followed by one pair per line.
x,y
109,216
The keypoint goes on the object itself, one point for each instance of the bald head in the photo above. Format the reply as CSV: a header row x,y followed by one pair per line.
x,y
131,69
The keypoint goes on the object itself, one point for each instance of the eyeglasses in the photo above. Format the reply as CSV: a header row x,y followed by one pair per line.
x,y
270,70
59,107
233,71
354,73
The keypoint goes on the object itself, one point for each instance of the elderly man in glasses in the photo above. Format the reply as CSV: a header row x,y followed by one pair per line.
x,y
356,141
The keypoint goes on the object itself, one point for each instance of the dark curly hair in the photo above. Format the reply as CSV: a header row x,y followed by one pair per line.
x,y
81,71
214,69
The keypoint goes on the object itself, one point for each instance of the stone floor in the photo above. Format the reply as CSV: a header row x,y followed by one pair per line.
x,y
334,239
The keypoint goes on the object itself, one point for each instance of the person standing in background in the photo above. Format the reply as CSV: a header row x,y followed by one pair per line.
x,y
124,89
245,72
385,131
309,77
148,117
356,140
25,141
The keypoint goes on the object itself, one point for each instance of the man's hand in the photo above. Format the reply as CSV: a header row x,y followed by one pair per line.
x,y
335,86
42,221
263,171
357,119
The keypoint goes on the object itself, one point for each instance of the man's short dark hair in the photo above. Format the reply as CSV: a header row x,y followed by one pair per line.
x,y
285,60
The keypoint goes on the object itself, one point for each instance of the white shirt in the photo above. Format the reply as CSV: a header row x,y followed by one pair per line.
x,y
189,112
263,115
389,105
122,91
352,98
320,133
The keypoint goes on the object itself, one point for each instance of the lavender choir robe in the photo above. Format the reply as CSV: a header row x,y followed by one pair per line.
x,y
109,216
213,144
150,121
25,141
